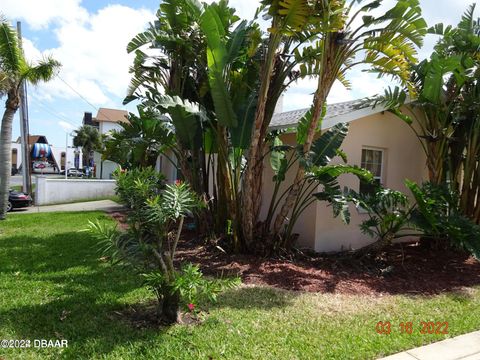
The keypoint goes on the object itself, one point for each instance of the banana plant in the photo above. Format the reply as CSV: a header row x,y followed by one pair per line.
x,y
387,43
320,182
445,110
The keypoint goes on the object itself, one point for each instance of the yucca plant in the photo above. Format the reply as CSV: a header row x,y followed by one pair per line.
x,y
150,243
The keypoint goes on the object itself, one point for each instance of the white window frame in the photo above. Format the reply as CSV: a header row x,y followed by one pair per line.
x,y
361,210
382,164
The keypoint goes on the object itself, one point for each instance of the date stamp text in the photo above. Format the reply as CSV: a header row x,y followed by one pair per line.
x,y
409,327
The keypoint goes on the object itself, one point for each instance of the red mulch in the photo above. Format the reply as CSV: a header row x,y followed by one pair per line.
x,y
404,269
401,269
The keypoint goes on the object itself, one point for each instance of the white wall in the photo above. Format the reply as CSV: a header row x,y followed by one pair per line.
x,y
103,170
106,126
57,191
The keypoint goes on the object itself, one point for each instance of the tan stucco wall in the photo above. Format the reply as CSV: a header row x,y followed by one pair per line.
x,y
306,224
403,159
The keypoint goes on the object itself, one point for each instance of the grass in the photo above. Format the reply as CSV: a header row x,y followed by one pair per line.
x,y
53,286
20,187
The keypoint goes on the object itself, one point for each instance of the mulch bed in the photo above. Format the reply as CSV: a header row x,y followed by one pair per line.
x,y
401,269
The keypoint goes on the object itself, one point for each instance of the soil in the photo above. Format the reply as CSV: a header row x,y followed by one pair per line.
x,y
144,316
400,269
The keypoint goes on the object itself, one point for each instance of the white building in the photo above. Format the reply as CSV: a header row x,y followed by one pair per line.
x,y
107,120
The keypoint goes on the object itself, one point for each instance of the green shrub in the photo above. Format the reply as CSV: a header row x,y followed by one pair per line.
x,y
388,215
136,185
149,244
438,216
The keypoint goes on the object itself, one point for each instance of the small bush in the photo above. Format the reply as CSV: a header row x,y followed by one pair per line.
x,y
149,244
136,185
438,216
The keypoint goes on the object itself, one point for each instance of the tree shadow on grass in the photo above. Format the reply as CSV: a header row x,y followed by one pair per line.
x,y
92,329
55,253
59,289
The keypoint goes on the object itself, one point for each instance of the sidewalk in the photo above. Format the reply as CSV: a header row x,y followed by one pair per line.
x,y
101,205
464,347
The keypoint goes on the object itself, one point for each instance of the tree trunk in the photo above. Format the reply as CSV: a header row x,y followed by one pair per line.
x,y
252,184
330,66
318,103
11,106
168,306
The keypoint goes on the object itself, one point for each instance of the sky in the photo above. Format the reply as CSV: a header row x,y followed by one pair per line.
x,y
89,38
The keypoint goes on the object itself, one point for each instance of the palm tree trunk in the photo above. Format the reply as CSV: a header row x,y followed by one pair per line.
x,y
319,101
252,184
330,66
11,106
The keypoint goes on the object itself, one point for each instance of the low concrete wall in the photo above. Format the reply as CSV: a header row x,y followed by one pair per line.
x,y
57,191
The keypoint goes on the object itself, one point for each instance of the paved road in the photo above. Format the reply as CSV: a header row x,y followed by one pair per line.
x,y
101,205
465,347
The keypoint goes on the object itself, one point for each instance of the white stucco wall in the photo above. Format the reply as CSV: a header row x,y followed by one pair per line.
x,y
403,159
57,191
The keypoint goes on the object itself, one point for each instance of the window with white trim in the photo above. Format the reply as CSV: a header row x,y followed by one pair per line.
x,y
372,160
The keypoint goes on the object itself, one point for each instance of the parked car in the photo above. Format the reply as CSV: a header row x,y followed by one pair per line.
x,y
72,172
18,199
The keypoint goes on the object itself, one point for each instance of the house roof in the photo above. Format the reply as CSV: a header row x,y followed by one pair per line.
x,y
33,139
111,115
336,113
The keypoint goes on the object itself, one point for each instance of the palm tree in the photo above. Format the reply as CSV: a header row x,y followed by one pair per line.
x,y
140,141
89,139
14,70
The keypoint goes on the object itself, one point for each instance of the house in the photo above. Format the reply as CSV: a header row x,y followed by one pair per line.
x,y
107,120
44,157
378,141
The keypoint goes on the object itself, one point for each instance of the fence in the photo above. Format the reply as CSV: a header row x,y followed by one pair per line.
x,y
58,191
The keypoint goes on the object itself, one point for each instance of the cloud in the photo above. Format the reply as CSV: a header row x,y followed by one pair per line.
x,y
39,14
66,126
93,55
245,8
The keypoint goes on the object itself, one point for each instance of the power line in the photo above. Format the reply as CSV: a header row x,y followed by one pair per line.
x,y
52,112
83,98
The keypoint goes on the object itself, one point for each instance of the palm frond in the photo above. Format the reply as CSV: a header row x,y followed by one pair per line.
x,y
44,70
10,53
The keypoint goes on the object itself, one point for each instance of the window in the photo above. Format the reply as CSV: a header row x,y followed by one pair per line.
x,y
14,158
62,161
372,160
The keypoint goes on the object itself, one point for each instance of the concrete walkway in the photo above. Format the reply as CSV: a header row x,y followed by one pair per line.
x,y
101,205
464,347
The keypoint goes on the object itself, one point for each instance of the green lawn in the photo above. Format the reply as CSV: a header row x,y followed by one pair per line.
x,y
53,285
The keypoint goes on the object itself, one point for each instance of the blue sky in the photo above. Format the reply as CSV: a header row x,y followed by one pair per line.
x,y
89,38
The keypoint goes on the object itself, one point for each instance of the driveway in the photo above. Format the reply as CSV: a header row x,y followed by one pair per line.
x,y
101,205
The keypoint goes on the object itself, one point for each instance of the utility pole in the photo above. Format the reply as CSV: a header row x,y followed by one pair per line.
x,y
24,130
